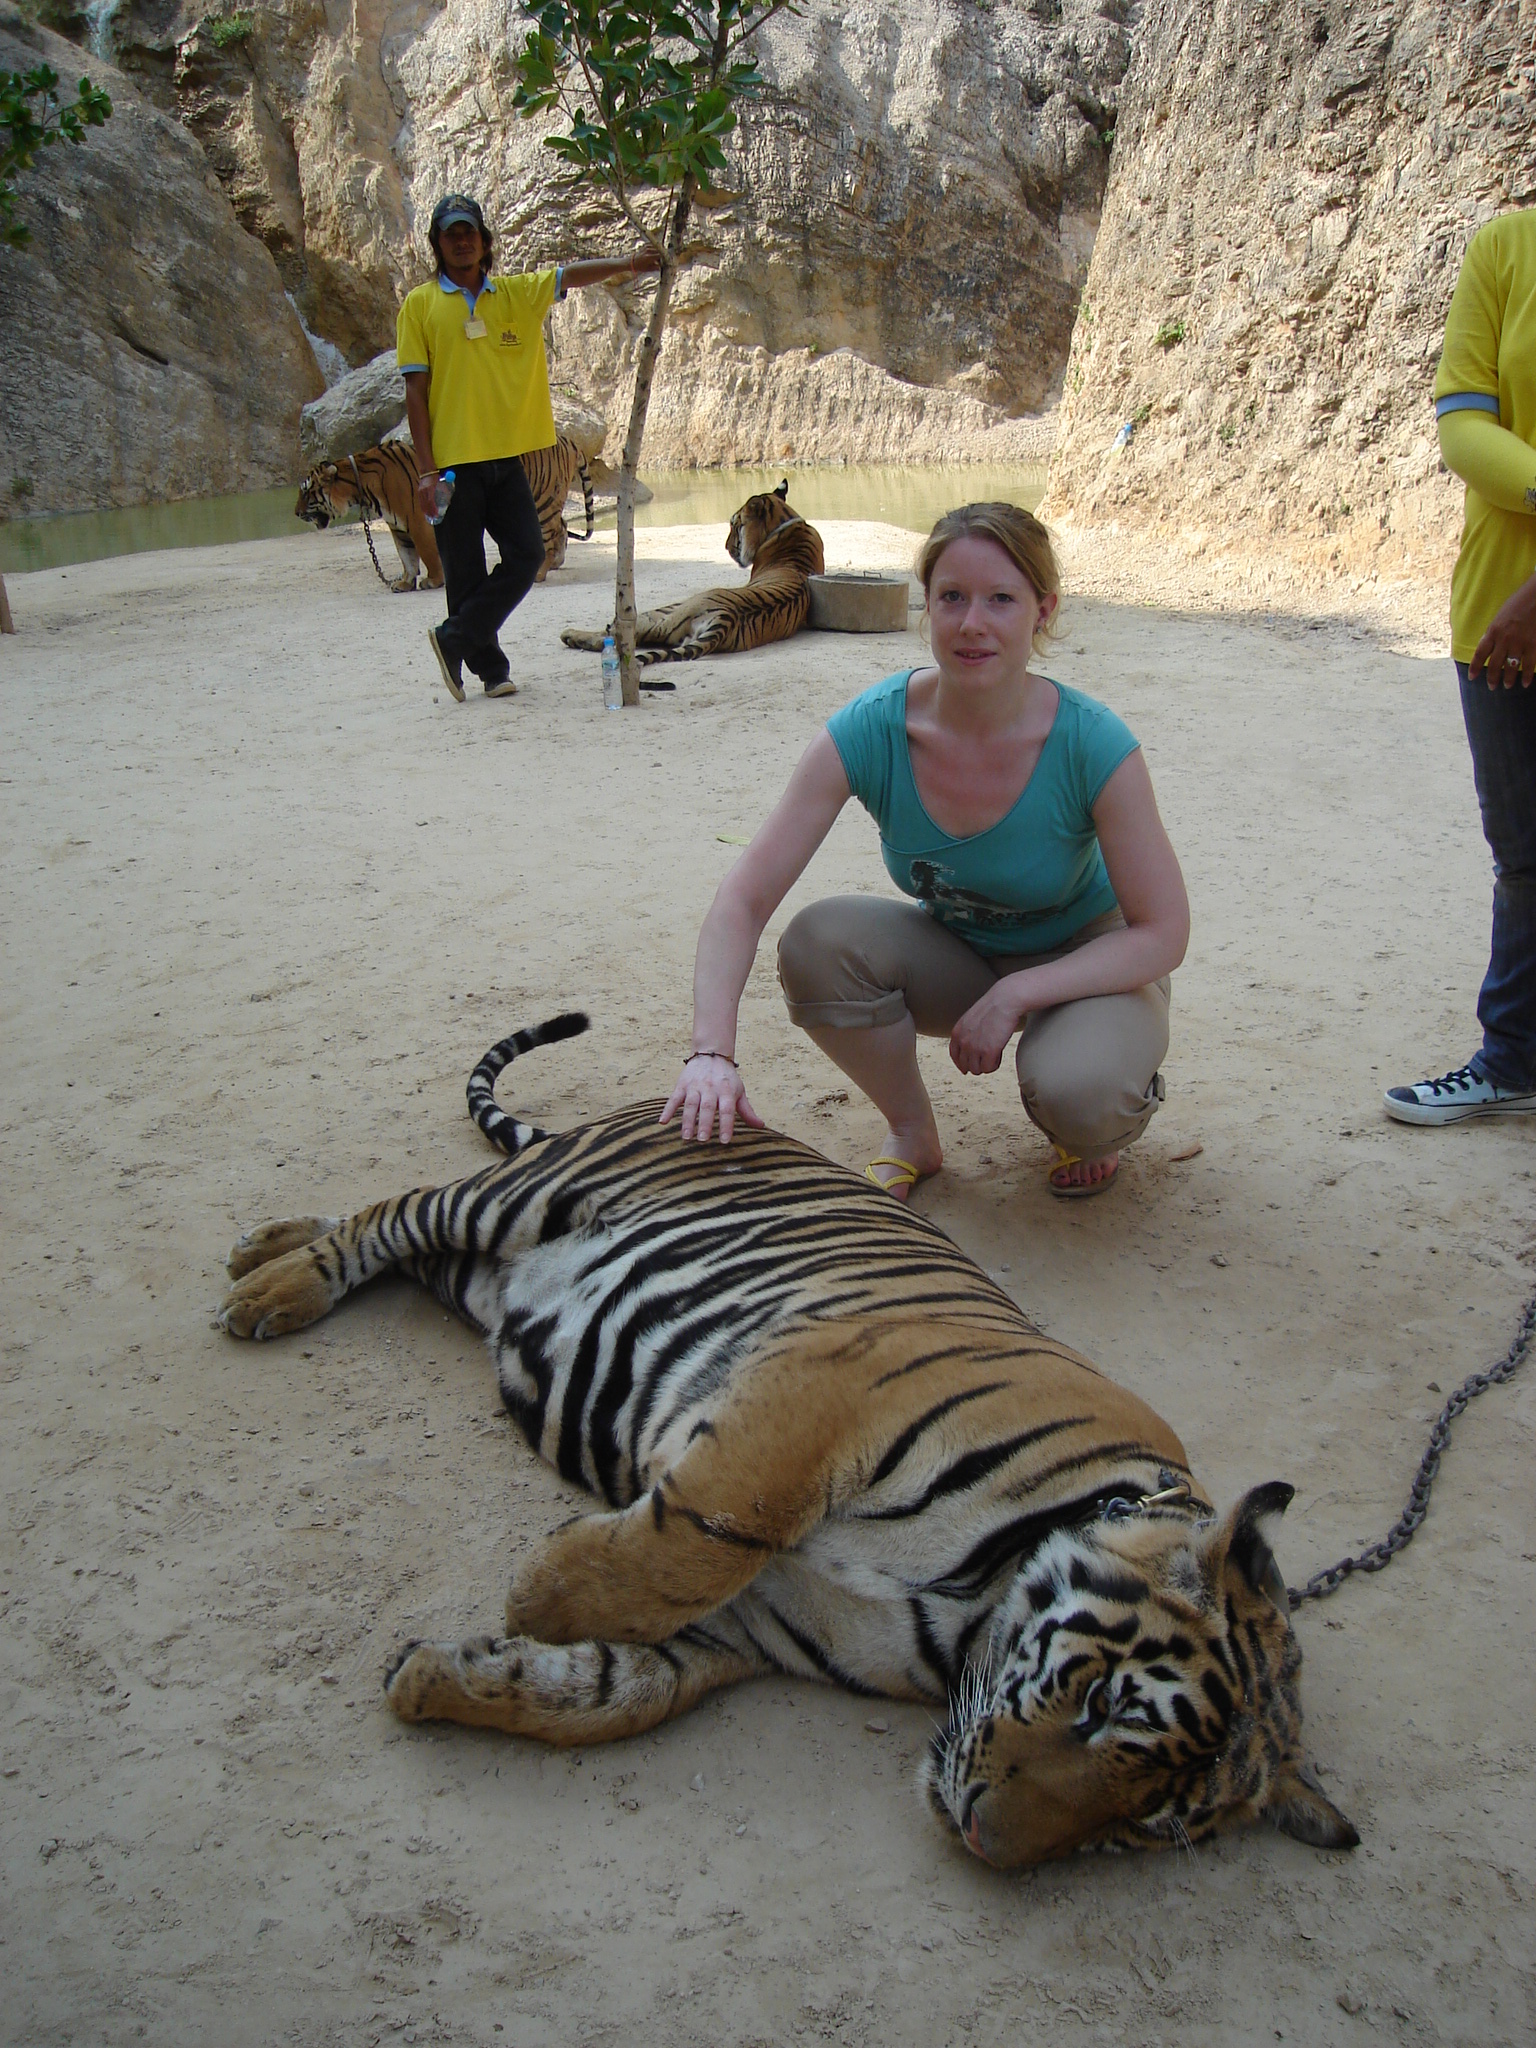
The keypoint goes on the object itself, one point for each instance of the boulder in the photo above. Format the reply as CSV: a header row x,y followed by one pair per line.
x,y
357,411
150,352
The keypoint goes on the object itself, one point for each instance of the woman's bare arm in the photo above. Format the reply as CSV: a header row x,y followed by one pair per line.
x,y
1144,873
728,938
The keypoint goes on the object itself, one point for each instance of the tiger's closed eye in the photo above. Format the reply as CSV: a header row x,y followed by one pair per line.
x,y
1097,1707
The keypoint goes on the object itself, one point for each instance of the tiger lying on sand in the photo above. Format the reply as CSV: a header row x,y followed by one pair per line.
x,y
381,483
828,1445
781,551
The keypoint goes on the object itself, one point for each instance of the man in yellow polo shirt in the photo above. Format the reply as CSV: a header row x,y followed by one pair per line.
x,y
1485,400
471,347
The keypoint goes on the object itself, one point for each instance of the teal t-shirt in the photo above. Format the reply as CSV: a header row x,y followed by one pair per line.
x,y
1030,881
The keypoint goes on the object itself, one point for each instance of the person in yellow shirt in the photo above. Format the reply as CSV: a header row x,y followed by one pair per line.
x,y
471,347
1485,401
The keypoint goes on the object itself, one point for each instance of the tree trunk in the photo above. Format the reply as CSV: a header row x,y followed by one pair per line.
x,y
7,623
645,372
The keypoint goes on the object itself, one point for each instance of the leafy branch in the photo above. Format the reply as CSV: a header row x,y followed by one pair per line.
x,y
32,118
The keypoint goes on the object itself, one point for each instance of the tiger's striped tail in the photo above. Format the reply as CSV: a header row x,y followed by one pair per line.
x,y
503,1131
586,497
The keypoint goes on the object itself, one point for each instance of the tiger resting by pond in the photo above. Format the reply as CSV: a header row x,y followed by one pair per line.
x,y
828,1445
768,537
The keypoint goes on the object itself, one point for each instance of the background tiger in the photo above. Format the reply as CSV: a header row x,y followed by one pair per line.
x,y
382,482
829,1445
552,475
771,539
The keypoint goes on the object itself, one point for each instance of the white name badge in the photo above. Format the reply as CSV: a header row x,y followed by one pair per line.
x,y
474,330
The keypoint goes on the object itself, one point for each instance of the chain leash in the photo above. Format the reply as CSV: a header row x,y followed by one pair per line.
x,y
363,502
1377,1556
368,536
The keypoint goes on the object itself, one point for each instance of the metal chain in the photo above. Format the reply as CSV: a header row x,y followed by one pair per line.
x,y
368,536
1376,1556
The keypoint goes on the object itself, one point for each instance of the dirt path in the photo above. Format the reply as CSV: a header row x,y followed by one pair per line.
x,y
269,896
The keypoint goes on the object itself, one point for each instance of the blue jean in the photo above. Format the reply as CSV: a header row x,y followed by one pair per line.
x,y
1501,730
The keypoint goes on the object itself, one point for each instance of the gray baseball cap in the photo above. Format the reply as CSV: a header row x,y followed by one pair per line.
x,y
456,207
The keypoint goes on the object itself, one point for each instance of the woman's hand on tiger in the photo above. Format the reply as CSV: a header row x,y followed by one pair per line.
x,y
708,1089
978,1041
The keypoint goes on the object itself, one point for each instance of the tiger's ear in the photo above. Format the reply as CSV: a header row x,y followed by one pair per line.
x,y
1299,1806
783,491
1238,1540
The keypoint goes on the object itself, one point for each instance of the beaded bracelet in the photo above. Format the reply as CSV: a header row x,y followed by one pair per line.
x,y
711,1056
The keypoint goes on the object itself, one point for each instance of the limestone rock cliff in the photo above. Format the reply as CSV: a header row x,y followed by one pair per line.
x,y
1293,185
149,350
920,189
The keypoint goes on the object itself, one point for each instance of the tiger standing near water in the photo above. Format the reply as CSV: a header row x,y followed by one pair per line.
x,y
1020,815
471,347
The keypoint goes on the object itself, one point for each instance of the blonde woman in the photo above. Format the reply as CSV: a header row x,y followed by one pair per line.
x,y
1048,902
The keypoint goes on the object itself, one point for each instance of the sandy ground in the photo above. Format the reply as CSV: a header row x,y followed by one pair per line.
x,y
269,895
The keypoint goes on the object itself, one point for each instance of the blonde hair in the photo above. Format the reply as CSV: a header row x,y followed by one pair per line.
x,y
1018,533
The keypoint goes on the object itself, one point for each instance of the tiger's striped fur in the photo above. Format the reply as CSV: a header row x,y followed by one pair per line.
x,y
382,483
552,474
827,1444
772,541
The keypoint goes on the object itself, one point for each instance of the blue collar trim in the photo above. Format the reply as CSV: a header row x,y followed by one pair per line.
x,y
470,299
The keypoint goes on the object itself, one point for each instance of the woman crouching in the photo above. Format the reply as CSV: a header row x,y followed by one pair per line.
x,y
1048,901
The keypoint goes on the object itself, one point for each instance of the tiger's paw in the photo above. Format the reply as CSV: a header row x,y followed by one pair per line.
x,y
272,1240
283,1295
446,1681
585,643
402,583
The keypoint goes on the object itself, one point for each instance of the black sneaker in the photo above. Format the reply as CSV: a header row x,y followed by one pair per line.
x,y
1455,1097
502,687
452,665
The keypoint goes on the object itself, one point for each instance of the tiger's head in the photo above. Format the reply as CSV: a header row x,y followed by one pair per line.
x,y
759,517
324,495
1139,1689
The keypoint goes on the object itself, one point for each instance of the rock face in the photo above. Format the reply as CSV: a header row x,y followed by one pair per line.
x,y
921,188
149,351
1294,183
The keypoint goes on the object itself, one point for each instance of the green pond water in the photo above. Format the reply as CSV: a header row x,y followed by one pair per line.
x,y
909,497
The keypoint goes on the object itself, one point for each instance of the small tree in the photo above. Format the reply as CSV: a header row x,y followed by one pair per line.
x,y
649,89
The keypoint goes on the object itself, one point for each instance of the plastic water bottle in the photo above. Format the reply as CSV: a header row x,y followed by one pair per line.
x,y
613,687
441,497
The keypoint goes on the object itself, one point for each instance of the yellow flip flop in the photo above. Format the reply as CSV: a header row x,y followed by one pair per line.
x,y
906,1175
1069,1191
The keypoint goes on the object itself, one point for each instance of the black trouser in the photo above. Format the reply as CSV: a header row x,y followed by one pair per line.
x,y
488,498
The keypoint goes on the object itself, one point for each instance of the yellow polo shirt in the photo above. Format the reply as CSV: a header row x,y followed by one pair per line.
x,y
487,394
1488,368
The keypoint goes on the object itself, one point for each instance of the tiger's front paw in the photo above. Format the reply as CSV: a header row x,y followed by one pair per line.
x,y
446,1681
283,1295
270,1241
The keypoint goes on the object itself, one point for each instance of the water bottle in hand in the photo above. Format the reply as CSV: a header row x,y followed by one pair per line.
x,y
441,497
613,687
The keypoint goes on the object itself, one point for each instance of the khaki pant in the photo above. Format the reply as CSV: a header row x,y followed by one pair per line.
x,y
1087,1070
